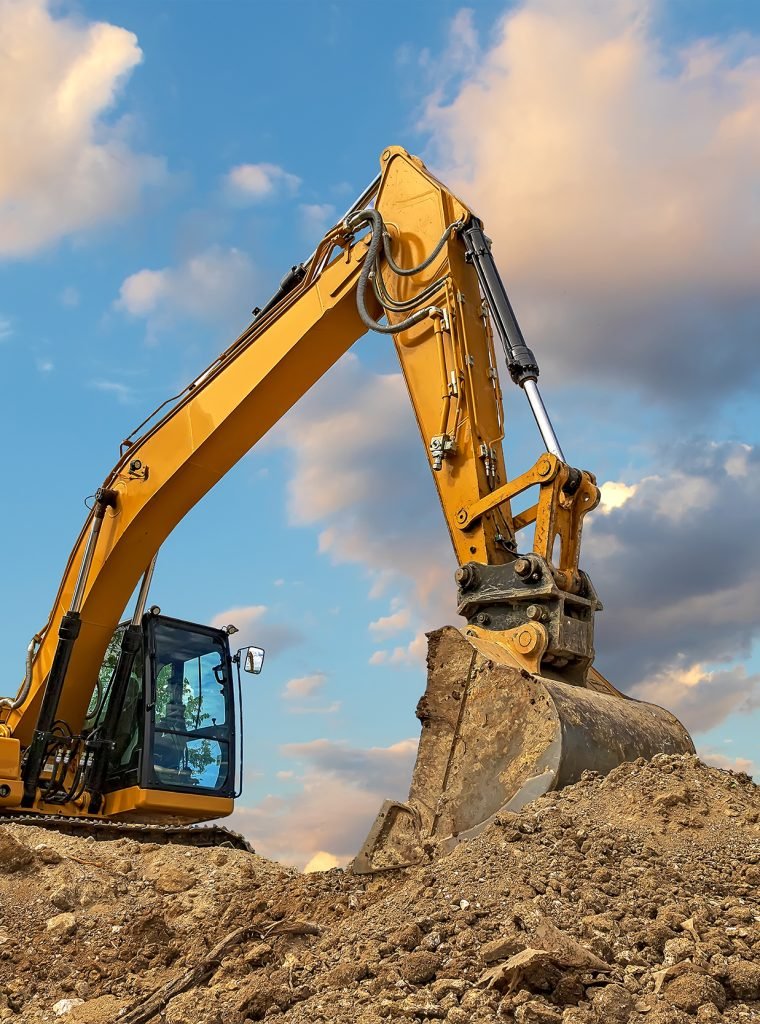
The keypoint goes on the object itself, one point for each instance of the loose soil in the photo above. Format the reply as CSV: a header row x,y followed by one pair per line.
x,y
631,899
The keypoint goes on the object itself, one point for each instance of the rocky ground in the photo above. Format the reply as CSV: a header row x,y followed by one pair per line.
x,y
626,900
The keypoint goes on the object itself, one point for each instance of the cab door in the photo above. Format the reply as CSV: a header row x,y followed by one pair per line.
x,y
189,724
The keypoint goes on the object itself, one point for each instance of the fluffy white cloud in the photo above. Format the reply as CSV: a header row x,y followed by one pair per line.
x,y
254,182
210,285
321,861
619,183
734,764
360,473
304,686
342,788
615,494
677,566
65,167
387,625
255,629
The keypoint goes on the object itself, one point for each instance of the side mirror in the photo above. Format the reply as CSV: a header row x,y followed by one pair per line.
x,y
254,659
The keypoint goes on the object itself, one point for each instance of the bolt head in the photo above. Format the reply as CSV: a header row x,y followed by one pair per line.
x,y
523,567
466,577
526,639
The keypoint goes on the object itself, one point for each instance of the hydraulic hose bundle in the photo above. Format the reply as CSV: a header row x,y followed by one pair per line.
x,y
380,245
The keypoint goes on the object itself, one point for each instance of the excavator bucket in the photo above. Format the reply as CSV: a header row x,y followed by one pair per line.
x,y
494,737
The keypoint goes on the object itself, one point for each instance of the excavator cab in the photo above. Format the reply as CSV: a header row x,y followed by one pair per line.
x,y
172,723
175,729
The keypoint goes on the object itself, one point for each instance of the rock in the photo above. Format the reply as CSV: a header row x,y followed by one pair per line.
x,y
101,1010
536,969
499,949
258,954
61,924
14,856
578,1015
408,937
457,1015
691,990
744,980
667,1015
655,935
47,854
708,1013
443,986
65,1006
172,879
431,941
569,990
612,1004
419,967
677,949
537,1012
345,974
679,795
414,1006
63,898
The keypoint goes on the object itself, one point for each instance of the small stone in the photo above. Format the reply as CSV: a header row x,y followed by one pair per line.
x,y
64,1006
677,949
62,898
443,986
537,1012
431,941
679,795
457,1015
173,879
744,980
464,904
258,954
708,1013
498,949
691,990
47,854
14,856
407,938
419,967
345,974
61,924
612,1004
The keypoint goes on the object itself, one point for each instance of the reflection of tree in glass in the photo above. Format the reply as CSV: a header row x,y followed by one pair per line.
x,y
110,658
201,755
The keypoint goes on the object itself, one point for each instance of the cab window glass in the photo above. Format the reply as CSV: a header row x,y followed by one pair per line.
x,y
191,732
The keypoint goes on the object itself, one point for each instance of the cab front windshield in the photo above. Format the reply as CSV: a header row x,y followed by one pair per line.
x,y
191,712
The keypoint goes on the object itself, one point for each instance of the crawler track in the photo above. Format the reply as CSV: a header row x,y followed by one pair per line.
x,y
182,835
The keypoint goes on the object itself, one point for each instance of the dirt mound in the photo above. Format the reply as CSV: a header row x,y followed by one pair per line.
x,y
626,900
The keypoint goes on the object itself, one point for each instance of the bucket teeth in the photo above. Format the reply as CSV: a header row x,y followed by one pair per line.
x,y
494,737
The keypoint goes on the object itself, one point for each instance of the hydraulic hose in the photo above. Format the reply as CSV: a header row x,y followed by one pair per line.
x,y
13,703
373,217
408,271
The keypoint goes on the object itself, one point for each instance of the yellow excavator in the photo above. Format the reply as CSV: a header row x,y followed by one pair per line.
x,y
137,726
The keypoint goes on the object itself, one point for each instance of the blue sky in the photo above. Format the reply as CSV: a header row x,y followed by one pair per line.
x,y
609,149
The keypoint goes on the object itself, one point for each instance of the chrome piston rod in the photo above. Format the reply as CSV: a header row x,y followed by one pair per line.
x,y
521,363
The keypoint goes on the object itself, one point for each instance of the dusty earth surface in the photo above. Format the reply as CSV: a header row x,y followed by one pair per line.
x,y
626,900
